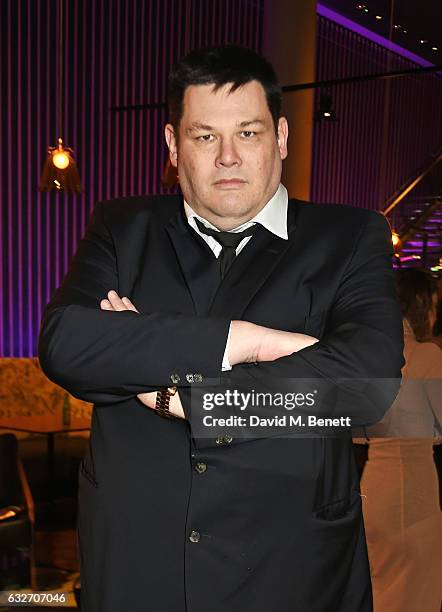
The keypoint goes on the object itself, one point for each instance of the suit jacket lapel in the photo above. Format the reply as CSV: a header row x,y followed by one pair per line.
x,y
197,261
251,269
248,273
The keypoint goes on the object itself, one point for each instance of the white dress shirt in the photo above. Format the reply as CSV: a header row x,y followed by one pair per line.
x,y
273,217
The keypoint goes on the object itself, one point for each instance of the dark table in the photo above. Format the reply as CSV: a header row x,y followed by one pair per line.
x,y
48,425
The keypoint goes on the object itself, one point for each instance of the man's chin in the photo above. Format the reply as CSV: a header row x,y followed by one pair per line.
x,y
229,201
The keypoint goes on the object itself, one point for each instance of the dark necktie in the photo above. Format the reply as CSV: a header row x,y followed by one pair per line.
x,y
229,242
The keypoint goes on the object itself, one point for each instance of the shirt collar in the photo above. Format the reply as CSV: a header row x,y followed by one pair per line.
x,y
273,216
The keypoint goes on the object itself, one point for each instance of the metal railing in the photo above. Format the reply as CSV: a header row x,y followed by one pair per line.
x,y
405,189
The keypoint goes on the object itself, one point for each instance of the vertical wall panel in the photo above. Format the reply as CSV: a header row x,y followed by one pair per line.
x,y
387,130
120,52
117,52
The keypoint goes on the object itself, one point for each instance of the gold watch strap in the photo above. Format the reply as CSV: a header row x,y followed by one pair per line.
x,y
162,402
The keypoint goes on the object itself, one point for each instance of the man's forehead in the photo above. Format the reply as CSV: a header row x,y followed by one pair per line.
x,y
210,93
203,106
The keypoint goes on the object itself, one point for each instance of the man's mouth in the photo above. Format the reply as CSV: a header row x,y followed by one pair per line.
x,y
233,182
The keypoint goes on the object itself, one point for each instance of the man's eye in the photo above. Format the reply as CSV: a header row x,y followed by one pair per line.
x,y
205,138
248,134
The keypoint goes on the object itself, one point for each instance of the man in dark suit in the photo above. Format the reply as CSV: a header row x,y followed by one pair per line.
x,y
239,284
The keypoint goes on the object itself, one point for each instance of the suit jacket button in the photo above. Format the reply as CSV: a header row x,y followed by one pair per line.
x,y
194,536
189,377
200,467
175,378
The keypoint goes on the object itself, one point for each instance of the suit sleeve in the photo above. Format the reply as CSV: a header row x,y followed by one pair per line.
x,y
105,357
361,352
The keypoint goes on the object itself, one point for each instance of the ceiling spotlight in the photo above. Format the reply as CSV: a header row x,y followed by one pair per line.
x,y
325,111
423,42
434,48
378,16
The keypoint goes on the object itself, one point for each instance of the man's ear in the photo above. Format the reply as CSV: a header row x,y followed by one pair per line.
x,y
169,134
283,134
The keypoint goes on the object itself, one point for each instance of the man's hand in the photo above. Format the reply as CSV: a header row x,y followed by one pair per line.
x,y
115,303
175,406
250,342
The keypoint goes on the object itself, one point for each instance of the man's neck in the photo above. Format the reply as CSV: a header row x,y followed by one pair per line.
x,y
273,216
227,224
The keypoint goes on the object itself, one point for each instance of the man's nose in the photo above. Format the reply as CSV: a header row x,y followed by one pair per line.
x,y
227,155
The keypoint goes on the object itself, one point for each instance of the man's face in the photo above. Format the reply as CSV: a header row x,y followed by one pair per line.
x,y
228,157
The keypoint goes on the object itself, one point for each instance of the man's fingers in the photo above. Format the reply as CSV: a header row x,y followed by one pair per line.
x,y
105,305
129,304
115,303
115,300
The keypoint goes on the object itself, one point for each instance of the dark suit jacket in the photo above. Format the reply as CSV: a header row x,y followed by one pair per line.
x,y
279,519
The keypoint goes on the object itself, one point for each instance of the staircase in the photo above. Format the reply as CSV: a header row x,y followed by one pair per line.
x,y
416,217
420,231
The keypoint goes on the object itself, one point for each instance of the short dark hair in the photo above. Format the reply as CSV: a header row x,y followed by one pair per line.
x,y
416,288
218,66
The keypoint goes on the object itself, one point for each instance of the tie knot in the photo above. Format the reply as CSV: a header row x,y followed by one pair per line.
x,y
226,239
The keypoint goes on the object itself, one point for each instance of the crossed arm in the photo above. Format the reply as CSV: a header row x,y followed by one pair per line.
x,y
106,357
248,343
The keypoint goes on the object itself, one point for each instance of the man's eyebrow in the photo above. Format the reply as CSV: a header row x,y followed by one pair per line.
x,y
197,126
244,124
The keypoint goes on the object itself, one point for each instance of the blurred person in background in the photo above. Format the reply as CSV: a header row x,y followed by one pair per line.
x,y
399,482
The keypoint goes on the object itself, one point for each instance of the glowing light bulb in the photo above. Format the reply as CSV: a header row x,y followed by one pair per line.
x,y
60,160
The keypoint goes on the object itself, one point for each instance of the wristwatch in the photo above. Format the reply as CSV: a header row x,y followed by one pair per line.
x,y
162,402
